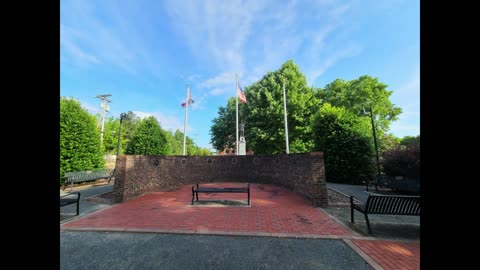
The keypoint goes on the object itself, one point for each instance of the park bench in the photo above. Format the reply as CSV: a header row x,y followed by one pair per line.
x,y
70,198
219,190
84,176
398,183
386,205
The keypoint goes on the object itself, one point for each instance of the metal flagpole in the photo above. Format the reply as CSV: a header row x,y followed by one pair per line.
x,y
186,116
285,111
236,94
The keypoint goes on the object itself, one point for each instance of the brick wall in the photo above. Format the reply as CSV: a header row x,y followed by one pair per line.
x,y
302,173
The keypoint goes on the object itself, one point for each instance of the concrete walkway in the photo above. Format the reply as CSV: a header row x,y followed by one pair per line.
x,y
358,192
277,230
87,204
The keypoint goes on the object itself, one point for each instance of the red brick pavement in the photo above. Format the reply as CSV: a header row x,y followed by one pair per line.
x,y
273,209
392,254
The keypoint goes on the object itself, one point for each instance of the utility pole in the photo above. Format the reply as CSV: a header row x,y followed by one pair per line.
x,y
105,107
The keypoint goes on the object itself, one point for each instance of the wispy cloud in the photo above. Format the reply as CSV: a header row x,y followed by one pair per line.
x,y
92,109
407,97
215,30
166,121
339,10
103,32
219,91
412,86
330,60
401,129
218,31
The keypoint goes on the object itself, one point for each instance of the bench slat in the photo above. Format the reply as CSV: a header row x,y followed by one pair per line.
x,y
386,205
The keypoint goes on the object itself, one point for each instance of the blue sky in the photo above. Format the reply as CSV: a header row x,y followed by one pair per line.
x,y
144,52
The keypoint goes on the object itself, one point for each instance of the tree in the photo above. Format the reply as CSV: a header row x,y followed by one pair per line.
x,y
79,139
387,142
263,114
148,139
410,140
110,135
402,161
129,125
223,130
204,152
359,94
345,140
265,124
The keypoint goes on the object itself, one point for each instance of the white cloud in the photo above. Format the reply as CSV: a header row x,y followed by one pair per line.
x,y
113,35
339,10
218,91
166,121
402,129
215,30
412,86
317,70
218,31
92,109
220,80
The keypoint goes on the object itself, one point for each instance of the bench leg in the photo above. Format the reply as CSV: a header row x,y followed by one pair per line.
x,y
78,206
193,195
352,215
368,224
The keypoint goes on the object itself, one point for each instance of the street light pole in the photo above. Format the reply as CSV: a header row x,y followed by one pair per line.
x,y
122,115
375,143
375,140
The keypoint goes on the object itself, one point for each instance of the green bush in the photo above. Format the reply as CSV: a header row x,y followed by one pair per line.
x,y
344,139
79,139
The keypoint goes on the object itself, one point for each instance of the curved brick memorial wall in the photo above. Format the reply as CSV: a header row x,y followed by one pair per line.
x,y
301,173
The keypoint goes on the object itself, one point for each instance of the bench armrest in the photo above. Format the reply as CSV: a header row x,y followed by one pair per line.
x,y
355,201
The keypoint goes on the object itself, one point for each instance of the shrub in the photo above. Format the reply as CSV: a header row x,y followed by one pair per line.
x,y
402,161
79,139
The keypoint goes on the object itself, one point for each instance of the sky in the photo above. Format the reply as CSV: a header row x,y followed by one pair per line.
x,y
145,52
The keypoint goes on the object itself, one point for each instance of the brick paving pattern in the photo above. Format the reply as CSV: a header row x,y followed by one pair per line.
x,y
392,254
273,209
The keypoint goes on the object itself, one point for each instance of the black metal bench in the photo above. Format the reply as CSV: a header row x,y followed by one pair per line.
x,y
398,183
84,176
71,198
386,205
220,190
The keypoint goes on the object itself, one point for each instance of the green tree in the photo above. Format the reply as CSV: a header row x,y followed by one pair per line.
x,y
263,114
345,140
204,152
359,94
129,125
223,130
387,142
79,139
265,126
110,135
410,140
148,139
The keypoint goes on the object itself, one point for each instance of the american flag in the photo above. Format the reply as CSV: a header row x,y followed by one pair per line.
x,y
191,101
241,94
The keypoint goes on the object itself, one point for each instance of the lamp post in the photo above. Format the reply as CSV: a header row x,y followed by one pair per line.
x,y
374,141
122,115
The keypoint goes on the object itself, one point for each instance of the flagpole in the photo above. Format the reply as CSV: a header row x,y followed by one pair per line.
x,y
236,99
186,116
285,112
